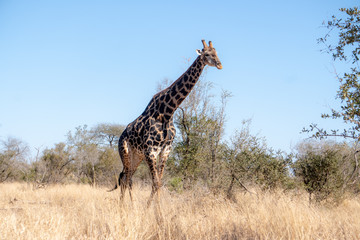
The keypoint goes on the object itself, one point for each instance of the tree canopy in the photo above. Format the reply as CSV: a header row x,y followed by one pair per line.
x,y
346,48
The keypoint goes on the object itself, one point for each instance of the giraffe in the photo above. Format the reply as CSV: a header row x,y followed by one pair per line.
x,y
150,136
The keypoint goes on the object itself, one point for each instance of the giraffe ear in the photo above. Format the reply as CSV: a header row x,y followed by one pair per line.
x,y
198,51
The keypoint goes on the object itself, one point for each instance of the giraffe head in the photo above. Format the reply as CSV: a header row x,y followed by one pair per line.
x,y
209,55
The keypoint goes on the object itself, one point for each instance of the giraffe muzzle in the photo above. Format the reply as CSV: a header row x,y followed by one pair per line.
x,y
219,66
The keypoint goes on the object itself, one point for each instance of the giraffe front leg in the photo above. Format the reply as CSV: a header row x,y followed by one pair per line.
x,y
164,154
151,161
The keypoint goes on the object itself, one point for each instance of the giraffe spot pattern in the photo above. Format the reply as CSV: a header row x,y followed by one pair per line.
x,y
151,135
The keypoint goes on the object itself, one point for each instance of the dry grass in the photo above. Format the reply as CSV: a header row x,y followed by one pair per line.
x,y
82,212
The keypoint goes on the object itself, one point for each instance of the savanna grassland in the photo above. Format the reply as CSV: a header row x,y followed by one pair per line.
x,y
84,212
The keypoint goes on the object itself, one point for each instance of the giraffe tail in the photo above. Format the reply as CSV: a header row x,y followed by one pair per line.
x,y
117,184
114,188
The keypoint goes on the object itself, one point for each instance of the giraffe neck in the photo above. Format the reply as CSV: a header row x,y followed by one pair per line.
x,y
175,94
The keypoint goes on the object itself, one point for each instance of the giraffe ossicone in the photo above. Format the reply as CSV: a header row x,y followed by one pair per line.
x,y
150,136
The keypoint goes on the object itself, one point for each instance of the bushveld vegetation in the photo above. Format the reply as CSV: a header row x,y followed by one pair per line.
x,y
200,157
213,188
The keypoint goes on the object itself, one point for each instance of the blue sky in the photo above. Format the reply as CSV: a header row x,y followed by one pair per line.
x,y
70,63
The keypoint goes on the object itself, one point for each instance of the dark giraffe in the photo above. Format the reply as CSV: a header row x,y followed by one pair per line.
x,y
150,136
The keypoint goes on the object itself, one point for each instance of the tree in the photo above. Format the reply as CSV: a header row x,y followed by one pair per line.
x,y
249,161
323,168
346,49
55,165
95,162
106,133
106,136
85,152
109,166
13,164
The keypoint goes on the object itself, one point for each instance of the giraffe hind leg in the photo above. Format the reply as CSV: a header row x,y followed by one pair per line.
x,y
130,189
124,180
